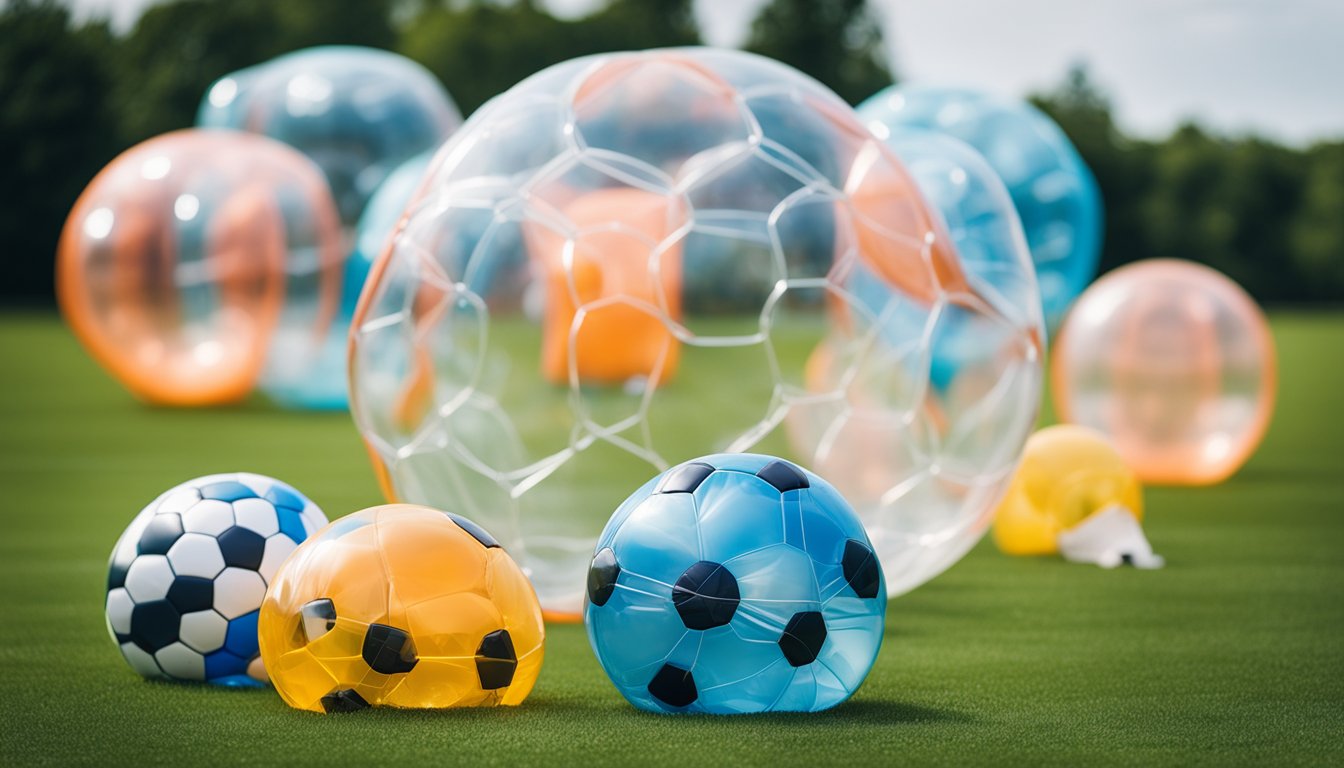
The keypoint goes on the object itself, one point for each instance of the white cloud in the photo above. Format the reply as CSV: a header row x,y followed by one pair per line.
x,y
1238,65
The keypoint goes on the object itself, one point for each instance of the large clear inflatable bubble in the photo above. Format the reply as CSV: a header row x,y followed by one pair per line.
x,y
1054,192
975,363
380,220
630,260
198,263
958,182
1173,361
359,113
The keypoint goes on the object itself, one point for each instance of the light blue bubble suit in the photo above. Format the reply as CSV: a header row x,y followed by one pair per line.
x,y
733,584
380,217
983,224
1055,194
360,114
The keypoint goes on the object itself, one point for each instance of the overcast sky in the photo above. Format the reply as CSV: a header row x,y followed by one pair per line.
x,y
1271,66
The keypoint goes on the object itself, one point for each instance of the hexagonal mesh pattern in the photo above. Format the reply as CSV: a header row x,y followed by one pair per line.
x,y
632,259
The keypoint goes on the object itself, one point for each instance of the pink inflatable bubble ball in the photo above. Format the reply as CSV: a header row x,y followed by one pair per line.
x,y
1175,362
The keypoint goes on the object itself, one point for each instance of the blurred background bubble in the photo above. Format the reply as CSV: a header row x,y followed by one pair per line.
x,y
1202,123
1175,363
202,262
1056,198
359,113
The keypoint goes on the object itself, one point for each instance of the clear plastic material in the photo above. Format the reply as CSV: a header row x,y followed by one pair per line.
x,y
1055,194
401,606
380,219
199,262
735,584
1175,363
629,260
359,113
983,226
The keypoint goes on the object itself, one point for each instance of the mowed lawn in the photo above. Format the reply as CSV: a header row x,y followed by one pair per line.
x,y
1232,654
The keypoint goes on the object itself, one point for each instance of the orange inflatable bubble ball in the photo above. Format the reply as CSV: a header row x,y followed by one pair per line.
x,y
401,606
1175,363
200,263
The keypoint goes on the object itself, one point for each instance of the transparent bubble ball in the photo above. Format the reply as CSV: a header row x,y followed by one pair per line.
x,y
629,260
1054,192
381,216
202,263
983,226
357,112
1175,363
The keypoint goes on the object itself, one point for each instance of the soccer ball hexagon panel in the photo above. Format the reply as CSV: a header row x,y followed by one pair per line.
x,y
401,606
735,583
187,577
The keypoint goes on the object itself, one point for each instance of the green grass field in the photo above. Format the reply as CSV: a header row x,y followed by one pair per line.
x,y
1234,654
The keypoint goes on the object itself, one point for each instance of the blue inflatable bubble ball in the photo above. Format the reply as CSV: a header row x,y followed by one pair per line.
x,y
735,584
1052,188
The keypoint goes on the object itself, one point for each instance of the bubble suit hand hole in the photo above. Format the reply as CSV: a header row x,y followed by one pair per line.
x,y
628,260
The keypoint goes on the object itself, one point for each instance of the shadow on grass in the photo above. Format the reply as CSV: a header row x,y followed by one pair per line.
x,y
867,712
1286,473
255,404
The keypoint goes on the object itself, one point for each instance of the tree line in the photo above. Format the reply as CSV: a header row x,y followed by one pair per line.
x,y
75,94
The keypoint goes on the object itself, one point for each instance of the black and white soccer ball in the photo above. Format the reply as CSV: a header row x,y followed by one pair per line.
x,y
187,577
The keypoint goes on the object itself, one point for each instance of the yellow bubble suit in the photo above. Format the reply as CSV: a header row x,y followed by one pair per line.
x,y
1067,474
401,606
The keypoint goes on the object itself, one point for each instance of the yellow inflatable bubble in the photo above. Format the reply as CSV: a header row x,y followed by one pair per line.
x,y
1074,495
401,606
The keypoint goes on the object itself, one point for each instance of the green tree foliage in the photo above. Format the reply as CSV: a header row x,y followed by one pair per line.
x,y
625,25
1316,232
304,23
73,95
836,41
481,48
1270,217
57,125
178,48
1123,167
